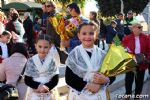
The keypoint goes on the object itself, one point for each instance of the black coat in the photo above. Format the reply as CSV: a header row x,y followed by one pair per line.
x,y
9,49
28,26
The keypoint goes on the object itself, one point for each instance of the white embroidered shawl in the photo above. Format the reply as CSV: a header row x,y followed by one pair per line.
x,y
82,65
34,67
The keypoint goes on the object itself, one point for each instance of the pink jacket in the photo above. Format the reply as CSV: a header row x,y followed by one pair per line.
x,y
10,69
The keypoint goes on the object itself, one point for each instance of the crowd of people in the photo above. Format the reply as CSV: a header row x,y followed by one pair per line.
x,y
81,52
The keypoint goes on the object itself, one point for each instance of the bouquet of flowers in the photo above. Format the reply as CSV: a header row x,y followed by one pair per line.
x,y
72,25
64,27
117,60
58,23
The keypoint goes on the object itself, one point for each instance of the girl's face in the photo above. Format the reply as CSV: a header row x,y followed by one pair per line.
x,y
42,47
6,38
87,36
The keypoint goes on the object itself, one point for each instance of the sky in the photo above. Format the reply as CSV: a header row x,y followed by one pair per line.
x,y
90,6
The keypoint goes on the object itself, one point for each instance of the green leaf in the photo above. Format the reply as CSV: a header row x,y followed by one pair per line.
x,y
116,40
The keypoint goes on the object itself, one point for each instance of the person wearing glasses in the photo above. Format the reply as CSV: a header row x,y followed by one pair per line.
x,y
50,30
49,9
44,17
137,43
129,20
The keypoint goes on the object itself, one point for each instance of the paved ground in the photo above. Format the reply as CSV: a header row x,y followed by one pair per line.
x,y
146,89
144,96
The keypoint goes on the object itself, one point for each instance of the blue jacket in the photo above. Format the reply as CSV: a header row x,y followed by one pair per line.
x,y
110,34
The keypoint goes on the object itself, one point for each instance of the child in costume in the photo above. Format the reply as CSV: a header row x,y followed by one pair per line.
x,y
41,74
83,64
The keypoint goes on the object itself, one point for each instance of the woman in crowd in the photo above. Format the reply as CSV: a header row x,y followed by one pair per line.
x,y
11,68
15,27
139,44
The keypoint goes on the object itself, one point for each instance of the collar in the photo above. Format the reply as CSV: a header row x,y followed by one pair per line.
x,y
1,43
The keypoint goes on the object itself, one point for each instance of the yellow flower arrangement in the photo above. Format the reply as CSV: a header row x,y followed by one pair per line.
x,y
59,25
117,60
65,31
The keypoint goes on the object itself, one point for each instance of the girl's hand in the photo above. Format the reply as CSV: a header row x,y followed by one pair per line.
x,y
43,88
100,79
92,87
36,90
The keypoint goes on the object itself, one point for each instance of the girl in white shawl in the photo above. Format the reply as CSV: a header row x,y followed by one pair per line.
x,y
41,74
82,68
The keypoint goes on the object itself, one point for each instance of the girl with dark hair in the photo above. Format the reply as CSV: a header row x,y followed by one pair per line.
x,y
11,68
41,73
20,48
83,63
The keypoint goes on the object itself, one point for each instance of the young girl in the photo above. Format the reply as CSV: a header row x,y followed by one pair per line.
x,y
41,74
4,48
82,68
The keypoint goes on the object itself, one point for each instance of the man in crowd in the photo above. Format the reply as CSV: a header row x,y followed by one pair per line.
x,y
93,18
120,25
129,20
28,26
76,19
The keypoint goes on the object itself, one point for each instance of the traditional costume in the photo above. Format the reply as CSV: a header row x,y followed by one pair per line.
x,y
41,72
81,64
